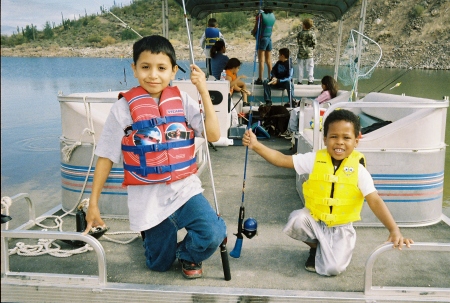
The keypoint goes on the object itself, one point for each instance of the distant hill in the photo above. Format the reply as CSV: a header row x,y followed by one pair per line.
x,y
412,34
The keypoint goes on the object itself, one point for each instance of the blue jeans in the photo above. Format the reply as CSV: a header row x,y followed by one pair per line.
x,y
268,89
205,232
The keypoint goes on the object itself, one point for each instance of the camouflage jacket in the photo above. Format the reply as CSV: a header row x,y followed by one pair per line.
x,y
306,40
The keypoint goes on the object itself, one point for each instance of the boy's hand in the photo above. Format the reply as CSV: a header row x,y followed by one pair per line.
x,y
93,218
249,139
397,239
198,78
242,77
273,81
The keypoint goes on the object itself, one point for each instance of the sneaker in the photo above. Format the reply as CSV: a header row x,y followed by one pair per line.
x,y
299,83
191,270
258,82
268,103
245,104
310,82
286,133
310,264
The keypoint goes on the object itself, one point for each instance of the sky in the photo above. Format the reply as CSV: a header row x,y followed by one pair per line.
x,y
37,12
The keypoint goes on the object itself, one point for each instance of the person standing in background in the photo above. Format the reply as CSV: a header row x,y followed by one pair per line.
x,y
266,21
306,40
211,35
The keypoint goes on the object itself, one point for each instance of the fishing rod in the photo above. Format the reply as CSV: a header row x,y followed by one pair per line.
x,y
223,245
249,226
397,84
139,35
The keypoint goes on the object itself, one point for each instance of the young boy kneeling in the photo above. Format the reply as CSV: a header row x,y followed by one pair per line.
x,y
334,194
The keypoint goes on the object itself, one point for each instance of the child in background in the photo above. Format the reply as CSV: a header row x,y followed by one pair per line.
x,y
161,202
211,35
218,59
280,76
236,84
306,40
336,174
329,91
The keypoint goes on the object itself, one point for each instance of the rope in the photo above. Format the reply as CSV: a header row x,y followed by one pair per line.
x,y
68,149
46,246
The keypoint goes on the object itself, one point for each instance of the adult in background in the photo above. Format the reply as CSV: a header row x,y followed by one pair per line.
x,y
266,21
210,36
218,59
306,40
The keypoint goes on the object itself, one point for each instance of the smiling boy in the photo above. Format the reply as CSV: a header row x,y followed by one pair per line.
x,y
334,194
164,193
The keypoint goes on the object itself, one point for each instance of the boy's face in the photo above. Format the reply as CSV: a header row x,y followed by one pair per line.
x,y
154,72
281,57
340,139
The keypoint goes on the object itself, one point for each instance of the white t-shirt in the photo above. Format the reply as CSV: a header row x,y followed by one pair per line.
x,y
149,205
303,164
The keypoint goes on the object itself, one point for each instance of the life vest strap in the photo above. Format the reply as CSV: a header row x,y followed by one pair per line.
x,y
332,219
142,149
144,171
324,177
157,121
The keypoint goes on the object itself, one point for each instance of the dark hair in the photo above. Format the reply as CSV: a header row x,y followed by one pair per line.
x,y
218,46
342,115
232,63
267,10
155,44
331,85
284,52
212,22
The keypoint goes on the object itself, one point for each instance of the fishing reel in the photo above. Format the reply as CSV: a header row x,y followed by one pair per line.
x,y
250,228
80,220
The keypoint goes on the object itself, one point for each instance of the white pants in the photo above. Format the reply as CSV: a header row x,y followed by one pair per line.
x,y
334,244
307,64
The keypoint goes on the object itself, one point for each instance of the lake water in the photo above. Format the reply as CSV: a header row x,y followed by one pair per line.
x,y
31,121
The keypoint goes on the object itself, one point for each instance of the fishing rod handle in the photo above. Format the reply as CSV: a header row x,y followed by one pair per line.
x,y
236,252
225,262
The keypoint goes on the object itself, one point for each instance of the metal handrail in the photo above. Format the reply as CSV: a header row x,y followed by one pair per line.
x,y
22,232
74,236
427,246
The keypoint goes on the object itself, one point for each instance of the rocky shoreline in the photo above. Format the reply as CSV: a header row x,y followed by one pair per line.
x,y
400,50
423,55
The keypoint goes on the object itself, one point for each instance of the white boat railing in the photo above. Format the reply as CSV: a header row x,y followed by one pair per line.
x,y
23,232
369,289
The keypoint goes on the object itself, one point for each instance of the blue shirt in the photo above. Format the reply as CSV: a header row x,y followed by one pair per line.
x,y
218,64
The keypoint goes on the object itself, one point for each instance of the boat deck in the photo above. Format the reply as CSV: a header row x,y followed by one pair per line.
x,y
271,265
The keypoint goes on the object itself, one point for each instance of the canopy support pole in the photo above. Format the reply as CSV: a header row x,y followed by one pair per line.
x,y
338,50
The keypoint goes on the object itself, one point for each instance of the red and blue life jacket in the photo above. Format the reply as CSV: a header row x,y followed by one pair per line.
x,y
159,146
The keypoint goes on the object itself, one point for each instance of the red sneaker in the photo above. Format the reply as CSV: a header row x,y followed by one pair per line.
x,y
191,270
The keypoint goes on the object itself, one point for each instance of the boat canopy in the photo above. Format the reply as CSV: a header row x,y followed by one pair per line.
x,y
330,9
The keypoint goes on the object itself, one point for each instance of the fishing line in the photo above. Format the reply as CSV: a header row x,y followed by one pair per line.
x,y
389,83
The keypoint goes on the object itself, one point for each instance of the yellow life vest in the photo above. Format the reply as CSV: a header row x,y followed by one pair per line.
x,y
334,197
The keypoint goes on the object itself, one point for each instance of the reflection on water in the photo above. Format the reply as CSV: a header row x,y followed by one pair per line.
x,y
31,121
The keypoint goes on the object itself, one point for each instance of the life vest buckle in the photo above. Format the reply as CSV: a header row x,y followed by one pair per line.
x,y
329,201
331,178
164,169
327,217
160,120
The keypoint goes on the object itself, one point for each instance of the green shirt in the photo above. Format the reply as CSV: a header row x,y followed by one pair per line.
x,y
306,40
